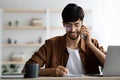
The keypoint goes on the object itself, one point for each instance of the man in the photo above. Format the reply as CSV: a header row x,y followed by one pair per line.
x,y
74,53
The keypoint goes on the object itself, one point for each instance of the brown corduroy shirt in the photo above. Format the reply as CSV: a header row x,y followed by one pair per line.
x,y
55,51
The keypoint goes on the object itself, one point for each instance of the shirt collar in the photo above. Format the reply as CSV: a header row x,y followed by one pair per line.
x,y
81,43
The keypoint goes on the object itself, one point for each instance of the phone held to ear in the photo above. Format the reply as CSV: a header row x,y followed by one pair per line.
x,y
83,36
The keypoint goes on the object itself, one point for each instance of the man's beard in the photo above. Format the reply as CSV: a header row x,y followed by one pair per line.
x,y
73,37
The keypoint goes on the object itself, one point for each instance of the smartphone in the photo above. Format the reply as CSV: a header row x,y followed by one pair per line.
x,y
83,36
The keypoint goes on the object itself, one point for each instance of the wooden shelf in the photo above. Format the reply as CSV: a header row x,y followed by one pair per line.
x,y
56,28
39,10
55,11
32,10
25,10
23,28
22,45
60,10
12,62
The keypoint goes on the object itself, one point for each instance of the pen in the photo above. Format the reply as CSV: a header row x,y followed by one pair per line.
x,y
57,63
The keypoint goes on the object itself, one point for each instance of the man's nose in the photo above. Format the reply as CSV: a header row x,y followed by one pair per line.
x,y
73,29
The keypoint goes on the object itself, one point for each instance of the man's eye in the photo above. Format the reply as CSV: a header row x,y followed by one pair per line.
x,y
77,25
68,25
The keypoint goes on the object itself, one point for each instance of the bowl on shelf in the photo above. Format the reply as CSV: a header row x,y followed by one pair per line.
x,y
36,22
17,57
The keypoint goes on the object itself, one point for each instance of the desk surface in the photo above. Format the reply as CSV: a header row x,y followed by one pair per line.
x,y
70,78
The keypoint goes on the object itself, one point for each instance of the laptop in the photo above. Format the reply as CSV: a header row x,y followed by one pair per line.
x,y
112,61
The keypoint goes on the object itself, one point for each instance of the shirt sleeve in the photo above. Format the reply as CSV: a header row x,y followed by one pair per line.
x,y
40,56
95,42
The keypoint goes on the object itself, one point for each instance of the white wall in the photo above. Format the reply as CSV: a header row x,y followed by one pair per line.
x,y
106,21
112,22
54,4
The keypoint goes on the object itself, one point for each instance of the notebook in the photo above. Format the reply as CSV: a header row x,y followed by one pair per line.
x,y
73,75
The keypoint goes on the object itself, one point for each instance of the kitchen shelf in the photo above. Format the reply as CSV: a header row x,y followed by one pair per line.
x,y
25,10
22,45
57,28
12,62
23,28
40,10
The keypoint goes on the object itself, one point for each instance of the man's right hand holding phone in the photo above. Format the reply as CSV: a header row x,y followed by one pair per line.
x,y
85,34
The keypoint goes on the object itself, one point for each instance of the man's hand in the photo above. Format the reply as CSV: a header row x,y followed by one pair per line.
x,y
60,71
85,30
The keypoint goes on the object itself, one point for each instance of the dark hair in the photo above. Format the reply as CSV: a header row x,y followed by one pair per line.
x,y
72,12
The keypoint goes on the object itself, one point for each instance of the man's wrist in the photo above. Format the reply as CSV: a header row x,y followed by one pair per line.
x,y
53,72
48,72
90,44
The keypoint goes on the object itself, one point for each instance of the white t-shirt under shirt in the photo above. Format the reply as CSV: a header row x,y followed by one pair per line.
x,y
74,63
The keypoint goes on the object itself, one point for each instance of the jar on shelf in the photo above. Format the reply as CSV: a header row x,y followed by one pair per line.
x,y
36,22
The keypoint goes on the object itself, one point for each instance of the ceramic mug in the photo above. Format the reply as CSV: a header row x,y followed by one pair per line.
x,y
32,70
